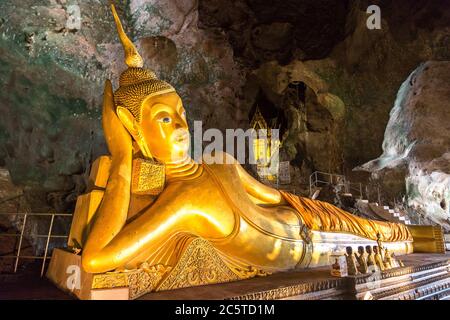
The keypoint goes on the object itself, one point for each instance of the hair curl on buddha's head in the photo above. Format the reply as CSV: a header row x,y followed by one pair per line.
x,y
135,83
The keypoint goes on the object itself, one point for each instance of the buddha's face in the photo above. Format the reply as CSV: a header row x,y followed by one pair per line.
x,y
164,128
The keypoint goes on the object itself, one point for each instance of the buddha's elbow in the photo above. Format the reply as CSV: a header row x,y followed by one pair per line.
x,y
91,263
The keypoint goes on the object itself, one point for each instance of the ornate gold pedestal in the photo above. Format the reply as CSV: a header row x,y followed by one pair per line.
x,y
200,264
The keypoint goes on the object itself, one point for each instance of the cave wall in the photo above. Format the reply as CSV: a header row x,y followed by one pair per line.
x,y
217,54
416,146
52,78
368,67
363,67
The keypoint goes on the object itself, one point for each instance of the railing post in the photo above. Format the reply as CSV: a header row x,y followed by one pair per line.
x,y
46,245
310,187
379,195
20,243
360,191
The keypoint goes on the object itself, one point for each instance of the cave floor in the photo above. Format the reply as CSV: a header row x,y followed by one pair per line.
x,y
29,287
32,287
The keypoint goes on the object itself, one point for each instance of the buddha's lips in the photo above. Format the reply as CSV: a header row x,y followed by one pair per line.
x,y
181,137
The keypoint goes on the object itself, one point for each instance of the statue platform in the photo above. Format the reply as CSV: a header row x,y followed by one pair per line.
x,y
424,276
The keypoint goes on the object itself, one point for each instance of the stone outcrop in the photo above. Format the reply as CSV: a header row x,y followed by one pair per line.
x,y
416,142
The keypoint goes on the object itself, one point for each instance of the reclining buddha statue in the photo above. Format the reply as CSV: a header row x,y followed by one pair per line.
x,y
181,222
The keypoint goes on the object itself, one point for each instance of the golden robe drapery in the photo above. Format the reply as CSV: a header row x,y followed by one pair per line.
x,y
322,216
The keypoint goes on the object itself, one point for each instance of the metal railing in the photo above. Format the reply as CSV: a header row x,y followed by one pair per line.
x,y
22,234
318,179
355,188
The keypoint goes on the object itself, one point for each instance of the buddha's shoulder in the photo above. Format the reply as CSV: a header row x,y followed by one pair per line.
x,y
218,158
221,163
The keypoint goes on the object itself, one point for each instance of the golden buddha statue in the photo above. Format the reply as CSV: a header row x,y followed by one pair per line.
x,y
352,268
370,257
380,246
361,258
378,259
388,263
150,201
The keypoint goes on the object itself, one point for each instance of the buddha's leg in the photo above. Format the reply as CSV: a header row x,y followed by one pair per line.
x,y
149,231
323,216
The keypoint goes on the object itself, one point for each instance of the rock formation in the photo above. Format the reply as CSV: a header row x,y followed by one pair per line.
x,y
56,54
416,143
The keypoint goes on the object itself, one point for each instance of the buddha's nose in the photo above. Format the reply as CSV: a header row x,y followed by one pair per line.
x,y
180,123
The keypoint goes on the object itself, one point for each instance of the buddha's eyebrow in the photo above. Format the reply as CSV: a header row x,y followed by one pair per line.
x,y
157,107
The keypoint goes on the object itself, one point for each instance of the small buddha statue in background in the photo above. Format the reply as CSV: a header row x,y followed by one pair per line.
x,y
395,263
335,267
361,258
370,257
340,267
388,261
351,262
378,260
380,246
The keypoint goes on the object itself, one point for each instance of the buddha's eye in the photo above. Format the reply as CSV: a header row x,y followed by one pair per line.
x,y
166,120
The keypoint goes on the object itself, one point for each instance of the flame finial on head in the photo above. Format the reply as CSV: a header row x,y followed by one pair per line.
x,y
136,83
132,57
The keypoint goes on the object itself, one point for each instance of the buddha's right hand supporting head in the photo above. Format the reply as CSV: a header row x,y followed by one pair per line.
x,y
117,137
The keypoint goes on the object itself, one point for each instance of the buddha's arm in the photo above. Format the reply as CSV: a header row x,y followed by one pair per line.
x,y
263,193
112,213
260,193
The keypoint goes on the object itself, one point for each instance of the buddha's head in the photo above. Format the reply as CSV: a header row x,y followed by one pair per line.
x,y
150,108
349,250
369,249
361,250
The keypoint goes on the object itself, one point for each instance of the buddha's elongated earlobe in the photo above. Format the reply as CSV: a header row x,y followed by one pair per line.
x,y
135,130
140,139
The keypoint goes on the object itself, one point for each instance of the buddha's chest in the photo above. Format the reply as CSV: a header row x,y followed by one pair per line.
x,y
203,193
